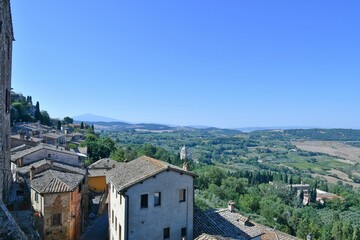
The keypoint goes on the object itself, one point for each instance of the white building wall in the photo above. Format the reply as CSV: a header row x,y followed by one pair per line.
x,y
39,204
149,223
119,214
62,157
33,157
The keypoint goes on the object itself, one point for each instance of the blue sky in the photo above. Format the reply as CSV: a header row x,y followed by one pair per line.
x,y
230,63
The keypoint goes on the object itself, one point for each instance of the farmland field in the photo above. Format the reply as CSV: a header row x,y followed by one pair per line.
x,y
335,180
345,153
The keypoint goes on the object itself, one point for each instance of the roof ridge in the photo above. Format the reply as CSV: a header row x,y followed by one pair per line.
x,y
155,161
57,178
49,183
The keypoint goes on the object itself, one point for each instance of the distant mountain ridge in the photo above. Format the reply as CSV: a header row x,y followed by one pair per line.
x,y
89,117
107,123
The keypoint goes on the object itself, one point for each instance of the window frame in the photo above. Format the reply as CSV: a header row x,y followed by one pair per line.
x,y
56,219
144,201
183,232
112,216
157,199
7,100
182,195
166,233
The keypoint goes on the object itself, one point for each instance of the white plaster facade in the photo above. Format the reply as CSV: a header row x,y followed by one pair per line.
x,y
127,220
56,155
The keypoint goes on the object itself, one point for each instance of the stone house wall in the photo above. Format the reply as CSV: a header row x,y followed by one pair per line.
x,y
6,38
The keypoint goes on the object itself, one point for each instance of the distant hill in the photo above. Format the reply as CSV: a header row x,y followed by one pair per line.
x,y
252,129
89,117
100,125
325,134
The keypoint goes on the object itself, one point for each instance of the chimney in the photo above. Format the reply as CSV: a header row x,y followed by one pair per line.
x,y
186,166
32,172
247,221
22,135
231,206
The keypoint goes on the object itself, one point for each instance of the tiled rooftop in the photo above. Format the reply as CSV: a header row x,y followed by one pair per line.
x,y
23,153
46,164
203,224
271,234
53,135
100,167
223,224
138,170
53,181
205,236
31,139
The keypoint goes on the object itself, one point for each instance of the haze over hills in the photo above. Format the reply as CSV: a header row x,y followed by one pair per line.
x,y
89,117
107,123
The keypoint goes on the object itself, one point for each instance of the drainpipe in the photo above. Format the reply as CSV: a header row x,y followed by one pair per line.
x,y
127,203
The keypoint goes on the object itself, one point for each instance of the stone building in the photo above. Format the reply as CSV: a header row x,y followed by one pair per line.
x,y
56,198
6,38
150,199
185,153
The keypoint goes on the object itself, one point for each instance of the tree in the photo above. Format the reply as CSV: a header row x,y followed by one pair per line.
x,y
68,120
250,202
301,196
347,231
82,125
336,230
326,232
59,125
38,116
99,148
356,234
45,118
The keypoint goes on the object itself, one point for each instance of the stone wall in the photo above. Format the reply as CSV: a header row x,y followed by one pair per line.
x,y
6,38
57,203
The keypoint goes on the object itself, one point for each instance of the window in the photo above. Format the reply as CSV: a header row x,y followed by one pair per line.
x,y
157,199
182,195
144,201
166,233
112,216
120,197
49,155
115,224
7,100
80,188
183,232
56,219
36,197
113,188
116,195
119,232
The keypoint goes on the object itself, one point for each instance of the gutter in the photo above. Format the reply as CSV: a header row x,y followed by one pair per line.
x,y
127,202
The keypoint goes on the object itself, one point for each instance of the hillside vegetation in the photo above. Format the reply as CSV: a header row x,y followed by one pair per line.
x,y
232,165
